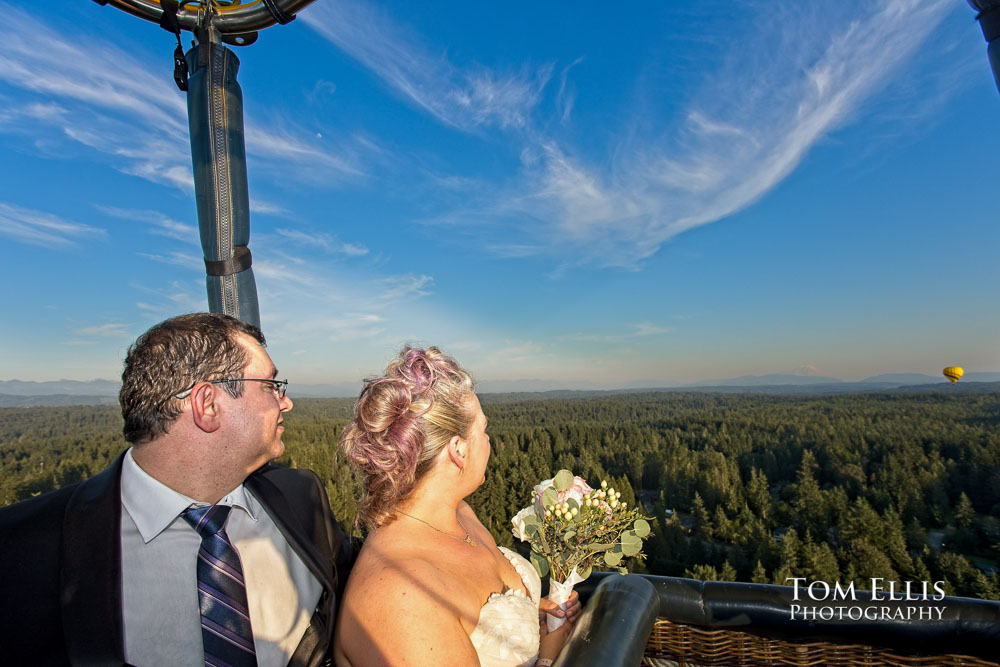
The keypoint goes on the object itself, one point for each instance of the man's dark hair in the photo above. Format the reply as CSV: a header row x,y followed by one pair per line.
x,y
171,357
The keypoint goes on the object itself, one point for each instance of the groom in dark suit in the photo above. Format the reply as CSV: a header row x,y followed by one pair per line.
x,y
191,548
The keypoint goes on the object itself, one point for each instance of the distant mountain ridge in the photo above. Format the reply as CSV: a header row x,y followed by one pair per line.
x,y
21,393
762,380
68,387
904,378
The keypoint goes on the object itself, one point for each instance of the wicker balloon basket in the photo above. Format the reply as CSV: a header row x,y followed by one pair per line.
x,y
675,644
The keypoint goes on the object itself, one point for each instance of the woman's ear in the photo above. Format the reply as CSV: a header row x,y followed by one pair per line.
x,y
204,410
456,451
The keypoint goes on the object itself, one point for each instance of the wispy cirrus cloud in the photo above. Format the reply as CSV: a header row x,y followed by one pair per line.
x,y
186,260
135,117
107,330
162,302
638,330
811,73
464,98
395,288
157,222
266,207
347,326
326,242
43,229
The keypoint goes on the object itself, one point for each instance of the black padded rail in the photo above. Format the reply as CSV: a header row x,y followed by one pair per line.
x,y
621,610
966,626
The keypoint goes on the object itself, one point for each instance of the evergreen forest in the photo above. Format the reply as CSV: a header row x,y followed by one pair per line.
x,y
741,487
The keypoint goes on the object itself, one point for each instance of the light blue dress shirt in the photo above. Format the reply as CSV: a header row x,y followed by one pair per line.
x,y
162,621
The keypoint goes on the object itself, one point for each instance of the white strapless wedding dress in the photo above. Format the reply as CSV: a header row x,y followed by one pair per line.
x,y
507,632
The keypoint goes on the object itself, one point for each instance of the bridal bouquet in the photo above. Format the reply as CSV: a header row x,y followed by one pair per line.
x,y
571,527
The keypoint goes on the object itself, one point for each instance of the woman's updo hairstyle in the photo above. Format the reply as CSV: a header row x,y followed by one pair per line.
x,y
401,422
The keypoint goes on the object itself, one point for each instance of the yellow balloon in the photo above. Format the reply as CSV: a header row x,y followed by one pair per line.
x,y
953,373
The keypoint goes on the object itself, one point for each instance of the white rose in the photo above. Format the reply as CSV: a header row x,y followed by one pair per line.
x,y
541,486
577,491
518,521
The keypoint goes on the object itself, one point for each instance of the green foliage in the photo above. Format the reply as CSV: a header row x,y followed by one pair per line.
x,y
574,528
901,485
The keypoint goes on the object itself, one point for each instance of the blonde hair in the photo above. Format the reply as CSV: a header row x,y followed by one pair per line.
x,y
401,422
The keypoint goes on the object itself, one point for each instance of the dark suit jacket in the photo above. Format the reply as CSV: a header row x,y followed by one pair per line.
x,y
60,559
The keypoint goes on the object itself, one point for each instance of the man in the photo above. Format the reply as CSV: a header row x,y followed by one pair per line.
x,y
191,548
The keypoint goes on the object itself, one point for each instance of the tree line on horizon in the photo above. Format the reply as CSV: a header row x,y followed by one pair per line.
x,y
741,487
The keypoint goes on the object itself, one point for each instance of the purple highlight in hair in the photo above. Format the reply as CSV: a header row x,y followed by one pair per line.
x,y
386,440
390,438
418,371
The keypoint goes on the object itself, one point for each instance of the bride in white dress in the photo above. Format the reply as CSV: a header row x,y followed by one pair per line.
x,y
430,586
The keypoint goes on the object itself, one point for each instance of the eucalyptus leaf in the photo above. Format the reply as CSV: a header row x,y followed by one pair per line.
x,y
573,503
612,558
563,480
569,535
549,497
531,528
622,570
586,571
530,520
631,548
541,565
641,528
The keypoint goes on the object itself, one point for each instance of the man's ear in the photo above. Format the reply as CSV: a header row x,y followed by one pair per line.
x,y
204,410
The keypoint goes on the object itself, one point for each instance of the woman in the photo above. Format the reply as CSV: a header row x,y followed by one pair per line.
x,y
431,587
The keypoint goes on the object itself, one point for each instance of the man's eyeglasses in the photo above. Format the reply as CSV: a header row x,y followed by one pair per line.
x,y
279,387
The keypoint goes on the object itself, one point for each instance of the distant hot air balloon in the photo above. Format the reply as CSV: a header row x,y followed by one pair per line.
x,y
953,373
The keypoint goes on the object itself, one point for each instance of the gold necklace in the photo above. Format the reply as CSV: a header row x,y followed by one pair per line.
x,y
467,539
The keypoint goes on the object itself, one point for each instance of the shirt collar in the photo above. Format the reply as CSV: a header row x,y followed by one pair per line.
x,y
153,505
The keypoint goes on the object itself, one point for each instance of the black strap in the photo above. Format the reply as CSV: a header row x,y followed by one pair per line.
x,y
278,13
201,34
240,261
989,21
169,22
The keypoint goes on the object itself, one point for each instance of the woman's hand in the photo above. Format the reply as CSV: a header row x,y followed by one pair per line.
x,y
552,642
573,608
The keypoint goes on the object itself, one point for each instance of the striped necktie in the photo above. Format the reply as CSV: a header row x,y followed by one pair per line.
x,y
222,593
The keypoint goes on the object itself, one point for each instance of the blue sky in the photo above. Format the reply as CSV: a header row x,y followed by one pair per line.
x,y
663,193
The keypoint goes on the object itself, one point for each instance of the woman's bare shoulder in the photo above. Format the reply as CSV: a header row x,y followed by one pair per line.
x,y
399,605
392,563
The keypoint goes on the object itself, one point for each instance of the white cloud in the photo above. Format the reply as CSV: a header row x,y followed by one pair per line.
x,y
647,329
343,327
522,351
328,243
108,330
398,287
43,229
266,207
464,99
514,250
158,223
796,77
135,115
566,97
639,330
176,298
178,258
